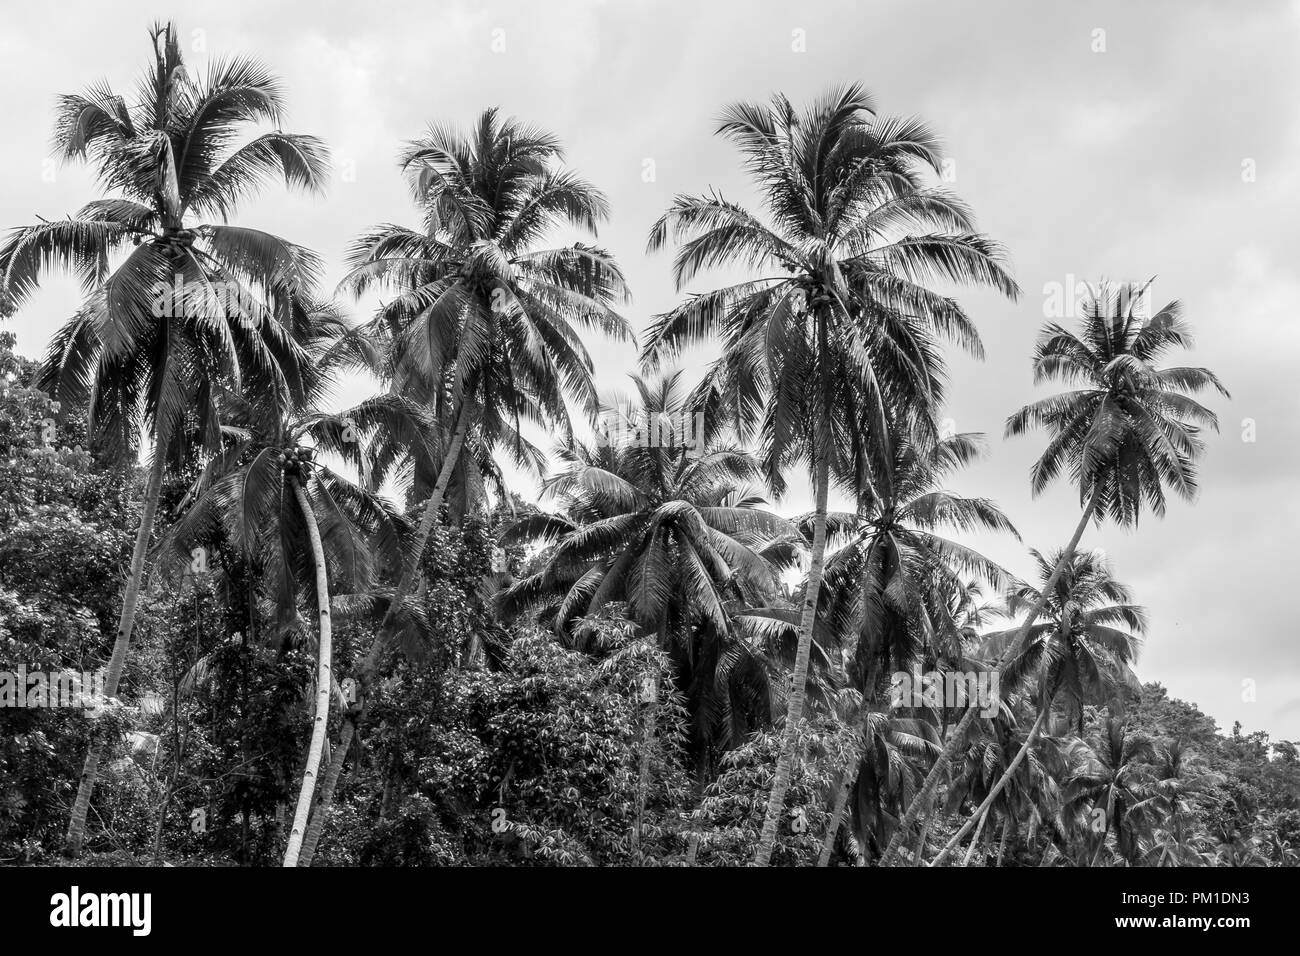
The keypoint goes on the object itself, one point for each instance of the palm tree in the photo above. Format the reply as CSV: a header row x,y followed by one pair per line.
x,y
1031,794
658,518
1079,654
191,304
485,325
260,490
888,586
815,362
1129,432
280,505
1111,774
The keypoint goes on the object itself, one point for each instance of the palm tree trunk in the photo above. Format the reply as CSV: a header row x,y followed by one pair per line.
x,y
650,701
324,653
837,815
430,516
974,842
328,785
798,687
955,742
919,856
1006,838
998,787
130,599
431,509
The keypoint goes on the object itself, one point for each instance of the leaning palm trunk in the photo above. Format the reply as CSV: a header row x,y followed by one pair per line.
x,y
998,787
328,785
430,516
431,509
956,741
843,786
130,599
794,708
324,650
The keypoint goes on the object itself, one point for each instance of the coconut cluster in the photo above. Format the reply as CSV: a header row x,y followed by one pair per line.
x,y
297,461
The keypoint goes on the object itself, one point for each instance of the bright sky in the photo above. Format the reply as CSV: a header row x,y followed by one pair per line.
x,y
1171,152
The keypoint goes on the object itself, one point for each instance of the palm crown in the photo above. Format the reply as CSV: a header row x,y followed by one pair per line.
x,y
141,353
892,580
1088,635
486,324
661,526
1131,429
850,330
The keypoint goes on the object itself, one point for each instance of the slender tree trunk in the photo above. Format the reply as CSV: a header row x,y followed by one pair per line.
x,y
998,787
799,681
837,815
323,684
974,842
651,705
919,856
430,516
130,600
328,786
407,581
955,741
1006,838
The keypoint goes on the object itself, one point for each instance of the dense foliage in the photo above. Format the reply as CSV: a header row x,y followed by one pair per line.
x,y
340,638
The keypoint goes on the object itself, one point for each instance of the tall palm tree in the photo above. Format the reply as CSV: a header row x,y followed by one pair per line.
x,y
1079,654
657,517
485,325
173,304
815,361
281,507
1130,431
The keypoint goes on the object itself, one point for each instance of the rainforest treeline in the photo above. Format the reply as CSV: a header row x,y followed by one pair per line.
x,y
330,636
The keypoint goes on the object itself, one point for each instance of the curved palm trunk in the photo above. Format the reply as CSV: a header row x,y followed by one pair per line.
x,y
407,581
837,815
324,653
130,600
982,812
794,708
328,785
963,726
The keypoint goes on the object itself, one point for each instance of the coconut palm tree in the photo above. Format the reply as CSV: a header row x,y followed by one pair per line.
x,y
1078,654
888,585
892,594
484,328
1111,774
658,518
816,361
278,505
1129,432
173,304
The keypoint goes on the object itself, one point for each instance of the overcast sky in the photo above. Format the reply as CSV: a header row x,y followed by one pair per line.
x,y
1092,139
